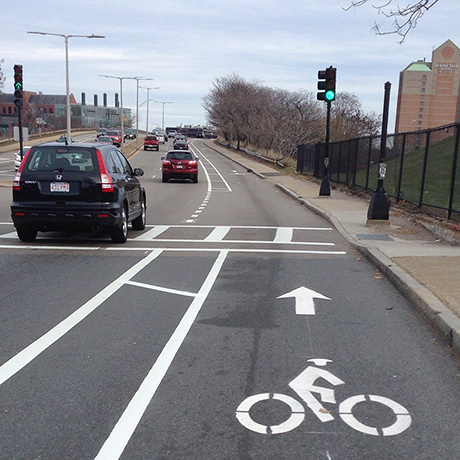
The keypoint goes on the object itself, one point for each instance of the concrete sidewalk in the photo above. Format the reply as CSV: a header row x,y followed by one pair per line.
x,y
424,267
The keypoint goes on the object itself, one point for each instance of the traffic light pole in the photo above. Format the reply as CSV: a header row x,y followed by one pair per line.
x,y
21,140
325,189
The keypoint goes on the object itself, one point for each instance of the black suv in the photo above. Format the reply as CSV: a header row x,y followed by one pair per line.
x,y
77,187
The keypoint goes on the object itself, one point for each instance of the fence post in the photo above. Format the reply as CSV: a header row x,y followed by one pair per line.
x,y
368,163
398,196
425,163
300,153
454,174
355,162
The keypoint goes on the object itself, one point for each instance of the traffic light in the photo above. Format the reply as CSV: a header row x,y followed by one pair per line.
x,y
327,84
18,85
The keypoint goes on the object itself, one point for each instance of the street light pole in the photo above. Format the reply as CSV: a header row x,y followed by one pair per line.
x,y
137,103
148,98
67,78
163,117
121,103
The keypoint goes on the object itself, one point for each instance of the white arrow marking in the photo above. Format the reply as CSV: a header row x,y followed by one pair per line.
x,y
304,303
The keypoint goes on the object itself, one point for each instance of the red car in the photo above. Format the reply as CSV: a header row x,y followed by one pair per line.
x,y
180,164
151,142
115,136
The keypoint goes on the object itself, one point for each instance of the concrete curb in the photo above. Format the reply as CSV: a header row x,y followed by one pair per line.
x,y
423,300
445,323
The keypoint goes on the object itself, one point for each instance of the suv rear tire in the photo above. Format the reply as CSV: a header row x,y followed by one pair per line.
x,y
119,234
26,234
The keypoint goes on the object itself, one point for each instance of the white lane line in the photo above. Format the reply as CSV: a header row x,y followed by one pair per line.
x,y
293,243
123,430
9,235
218,234
148,249
151,234
29,353
283,235
219,174
162,289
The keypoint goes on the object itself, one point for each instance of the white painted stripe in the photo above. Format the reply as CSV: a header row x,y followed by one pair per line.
x,y
220,175
218,234
123,430
194,215
151,234
148,249
283,235
162,289
9,235
29,353
302,243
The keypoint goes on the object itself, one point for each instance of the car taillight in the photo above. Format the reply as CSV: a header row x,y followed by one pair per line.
x,y
166,162
192,163
106,180
17,177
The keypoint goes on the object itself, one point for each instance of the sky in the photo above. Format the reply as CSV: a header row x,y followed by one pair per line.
x,y
185,45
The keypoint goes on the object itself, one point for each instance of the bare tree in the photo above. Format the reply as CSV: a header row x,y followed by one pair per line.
x,y
2,76
404,18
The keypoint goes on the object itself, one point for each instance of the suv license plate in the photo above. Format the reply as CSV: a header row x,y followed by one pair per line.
x,y
60,187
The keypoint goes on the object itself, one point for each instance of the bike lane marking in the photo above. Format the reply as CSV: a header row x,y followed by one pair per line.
x,y
123,430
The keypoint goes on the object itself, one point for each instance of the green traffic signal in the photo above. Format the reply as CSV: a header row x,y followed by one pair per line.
x,y
330,95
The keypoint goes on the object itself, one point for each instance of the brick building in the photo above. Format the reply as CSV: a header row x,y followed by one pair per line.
x,y
429,92
52,109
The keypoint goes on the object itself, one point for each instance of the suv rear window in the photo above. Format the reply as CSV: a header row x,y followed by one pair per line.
x,y
179,156
67,159
151,138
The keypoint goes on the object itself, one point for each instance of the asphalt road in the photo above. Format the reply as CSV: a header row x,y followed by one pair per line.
x,y
188,342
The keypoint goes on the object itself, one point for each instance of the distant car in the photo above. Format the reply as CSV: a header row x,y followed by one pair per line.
x,y
17,156
180,164
172,133
151,142
130,134
115,135
180,144
166,138
161,138
180,136
79,187
63,138
101,132
105,139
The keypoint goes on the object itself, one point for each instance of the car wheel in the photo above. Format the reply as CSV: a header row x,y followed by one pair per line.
x,y
195,179
119,234
145,148
158,148
26,234
164,178
139,222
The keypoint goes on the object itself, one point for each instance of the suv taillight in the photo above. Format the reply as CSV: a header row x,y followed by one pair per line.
x,y
17,177
106,180
192,163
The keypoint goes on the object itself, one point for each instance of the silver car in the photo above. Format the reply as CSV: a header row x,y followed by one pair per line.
x,y
17,156
161,138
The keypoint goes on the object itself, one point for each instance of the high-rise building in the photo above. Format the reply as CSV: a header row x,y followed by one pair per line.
x,y
429,92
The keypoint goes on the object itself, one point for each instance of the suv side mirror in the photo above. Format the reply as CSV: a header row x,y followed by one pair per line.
x,y
138,172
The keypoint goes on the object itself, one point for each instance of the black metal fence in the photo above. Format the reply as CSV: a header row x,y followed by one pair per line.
x,y
423,167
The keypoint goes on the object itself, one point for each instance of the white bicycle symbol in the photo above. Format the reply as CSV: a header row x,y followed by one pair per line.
x,y
304,386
